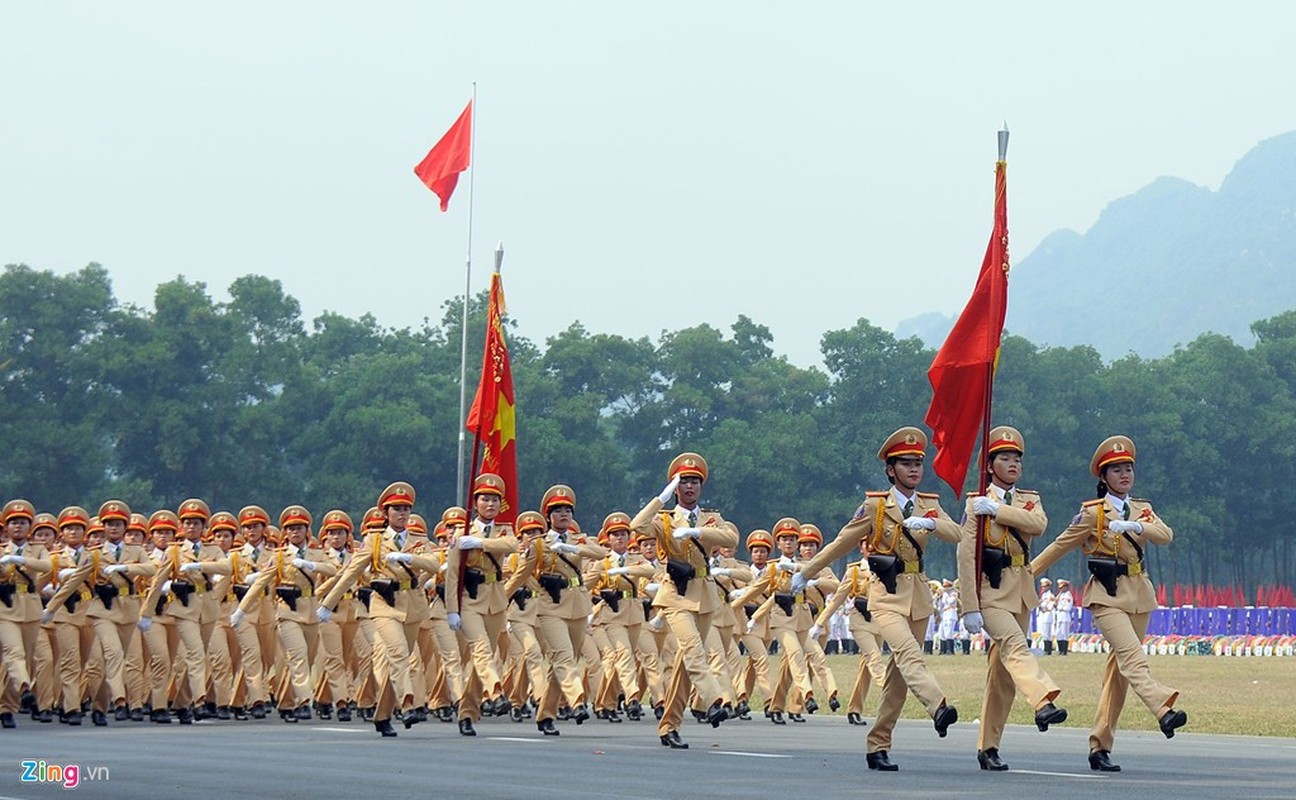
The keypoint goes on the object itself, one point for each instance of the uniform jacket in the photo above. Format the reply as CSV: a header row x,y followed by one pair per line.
x,y
213,563
277,572
658,523
1016,592
26,580
498,541
370,563
574,600
125,606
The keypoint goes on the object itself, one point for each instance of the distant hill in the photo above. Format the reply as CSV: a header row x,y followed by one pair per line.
x,y
1162,266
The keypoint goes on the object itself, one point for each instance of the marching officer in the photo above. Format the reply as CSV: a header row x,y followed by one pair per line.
x,y
897,524
23,567
1002,523
530,675
615,580
1113,530
854,589
80,662
222,647
755,638
257,637
338,638
818,590
687,599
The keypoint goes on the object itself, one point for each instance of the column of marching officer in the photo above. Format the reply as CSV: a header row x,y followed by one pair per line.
x,y
193,615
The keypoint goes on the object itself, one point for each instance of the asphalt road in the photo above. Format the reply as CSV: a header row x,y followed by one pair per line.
x,y
270,759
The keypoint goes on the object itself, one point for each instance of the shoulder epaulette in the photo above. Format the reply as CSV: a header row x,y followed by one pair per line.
x,y
859,563
929,495
877,494
1026,491
1097,501
1141,500
708,510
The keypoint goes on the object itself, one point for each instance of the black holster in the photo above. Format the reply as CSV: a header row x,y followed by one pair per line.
x,y
647,604
365,594
290,595
440,591
554,585
750,609
884,567
6,594
71,603
386,589
241,590
107,593
785,601
182,590
861,605
814,610
993,560
473,578
1105,571
681,572
613,599
520,598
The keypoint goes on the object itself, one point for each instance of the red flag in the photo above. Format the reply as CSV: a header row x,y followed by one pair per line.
x,y
440,168
1161,594
962,373
491,417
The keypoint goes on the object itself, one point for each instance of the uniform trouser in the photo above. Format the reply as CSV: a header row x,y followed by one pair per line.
x,y
80,664
334,679
1011,667
1127,667
299,641
252,660
113,641
906,669
621,660
690,668
648,655
718,658
817,663
17,641
360,664
222,655
756,671
134,673
793,684
447,685
478,634
530,676
158,651
590,665
44,668
393,642
185,639
872,664
563,638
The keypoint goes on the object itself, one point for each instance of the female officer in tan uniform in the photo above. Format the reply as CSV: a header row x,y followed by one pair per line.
x,y
1114,529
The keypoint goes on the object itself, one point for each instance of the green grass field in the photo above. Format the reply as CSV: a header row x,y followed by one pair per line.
x,y
1252,696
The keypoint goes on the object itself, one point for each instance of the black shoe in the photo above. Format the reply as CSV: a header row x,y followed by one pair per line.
x,y
834,703
28,702
1049,715
161,716
716,714
324,711
286,714
989,759
186,716
410,718
795,717
582,713
564,713
658,711
673,741
367,713
224,713
776,717
854,718
99,719
742,710
945,717
698,715
1173,719
138,714
610,716
73,718
7,721
811,705
634,711
880,762
303,712
546,726
1100,760
502,706
466,728
344,714
46,715
385,728
122,714
208,711
258,711
239,712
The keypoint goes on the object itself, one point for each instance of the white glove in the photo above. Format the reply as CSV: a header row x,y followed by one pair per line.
x,y
619,571
751,626
722,572
787,565
251,576
816,630
669,491
984,506
652,588
398,558
454,620
563,547
323,614
66,573
508,627
445,565
1125,526
812,582
686,533
236,617
17,561
166,587
920,523
303,564
428,584
115,569
470,542
145,623
191,566
47,616
973,622
655,623
798,583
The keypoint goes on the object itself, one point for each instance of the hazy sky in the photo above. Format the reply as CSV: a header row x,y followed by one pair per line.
x,y
648,166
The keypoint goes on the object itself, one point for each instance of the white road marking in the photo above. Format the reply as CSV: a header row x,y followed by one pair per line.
x,y
749,755
337,730
513,739
1055,774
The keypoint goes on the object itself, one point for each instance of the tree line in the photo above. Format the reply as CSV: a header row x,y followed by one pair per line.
x,y
243,402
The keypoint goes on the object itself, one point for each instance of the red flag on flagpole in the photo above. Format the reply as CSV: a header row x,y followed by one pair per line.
x,y
439,170
962,374
491,418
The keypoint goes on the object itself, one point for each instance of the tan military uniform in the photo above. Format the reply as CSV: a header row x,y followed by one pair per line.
x,y
338,637
80,661
20,618
529,676
257,637
872,666
482,618
562,623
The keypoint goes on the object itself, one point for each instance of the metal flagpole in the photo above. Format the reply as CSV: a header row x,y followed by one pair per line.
x,y
463,350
